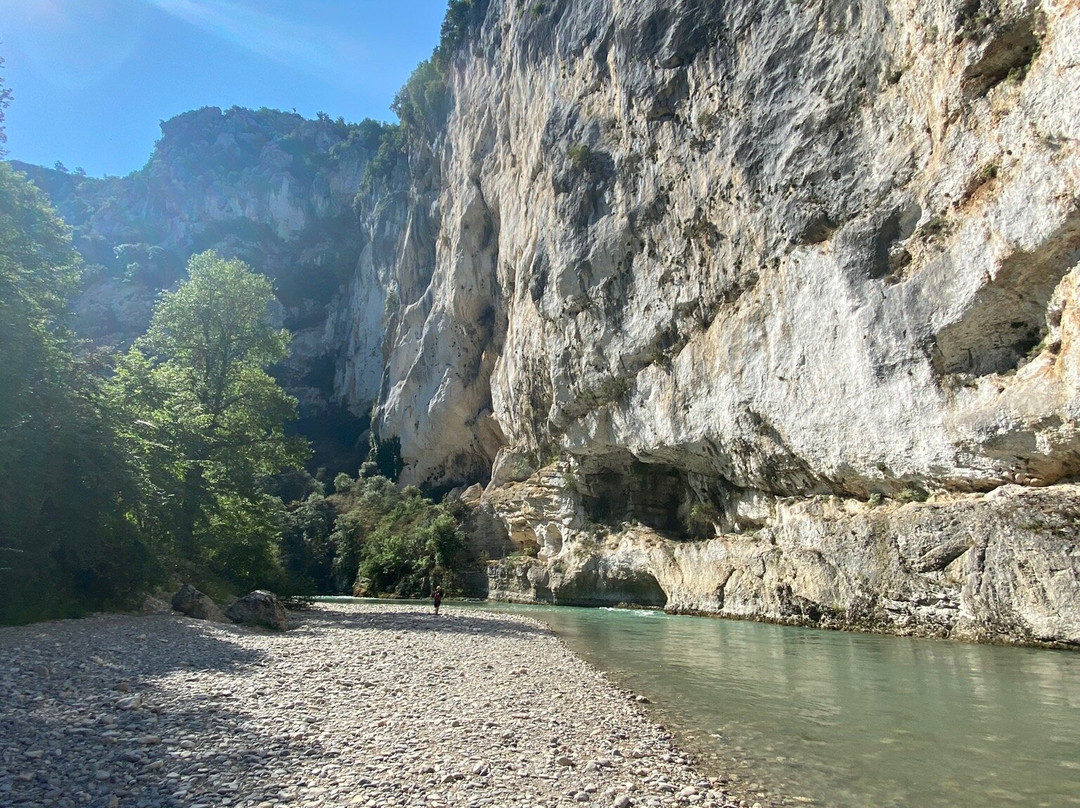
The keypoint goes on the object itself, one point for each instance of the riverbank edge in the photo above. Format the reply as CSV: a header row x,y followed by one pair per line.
x,y
838,624
479,646
705,758
918,631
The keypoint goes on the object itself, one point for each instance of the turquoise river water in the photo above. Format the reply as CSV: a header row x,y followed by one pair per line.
x,y
844,719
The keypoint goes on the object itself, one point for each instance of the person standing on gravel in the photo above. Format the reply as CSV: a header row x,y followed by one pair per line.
x,y
437,596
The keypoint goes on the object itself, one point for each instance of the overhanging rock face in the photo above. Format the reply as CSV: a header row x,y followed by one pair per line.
x,y
827,249
733,260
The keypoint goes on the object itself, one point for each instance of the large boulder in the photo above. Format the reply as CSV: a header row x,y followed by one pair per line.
x,y
259,608
194,603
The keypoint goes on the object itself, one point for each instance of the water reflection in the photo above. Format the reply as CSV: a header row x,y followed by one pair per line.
x,y
853,719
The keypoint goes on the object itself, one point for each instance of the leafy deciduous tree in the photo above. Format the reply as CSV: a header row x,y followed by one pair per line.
x,y
65,543
205,419
386,540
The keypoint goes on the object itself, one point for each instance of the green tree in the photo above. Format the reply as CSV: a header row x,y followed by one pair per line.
x,y
65,541
393,541
423,103
206,421
462,18
306,549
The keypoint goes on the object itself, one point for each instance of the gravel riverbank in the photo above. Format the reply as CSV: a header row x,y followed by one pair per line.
x,y
359,704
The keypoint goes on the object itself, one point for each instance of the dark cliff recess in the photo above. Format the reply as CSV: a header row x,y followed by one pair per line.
x,y
1006,319
599,585
623,489
1006,47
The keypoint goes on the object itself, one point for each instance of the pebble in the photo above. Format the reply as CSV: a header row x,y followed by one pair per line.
x,y
358,705
130,702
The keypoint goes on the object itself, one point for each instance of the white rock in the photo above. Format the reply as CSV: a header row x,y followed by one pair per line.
x,y
133,702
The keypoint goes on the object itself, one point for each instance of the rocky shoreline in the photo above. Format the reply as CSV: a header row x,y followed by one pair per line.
x,y
359,704
1000,567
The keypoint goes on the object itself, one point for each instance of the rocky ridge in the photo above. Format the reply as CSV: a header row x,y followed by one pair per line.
x,y
277,191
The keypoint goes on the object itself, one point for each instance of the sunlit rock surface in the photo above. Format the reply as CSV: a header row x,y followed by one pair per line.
x,y
739,260
999,567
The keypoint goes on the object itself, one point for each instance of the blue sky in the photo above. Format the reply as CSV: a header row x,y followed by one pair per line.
x,y
92,78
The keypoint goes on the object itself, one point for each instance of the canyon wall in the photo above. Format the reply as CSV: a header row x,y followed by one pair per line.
x,y
763,308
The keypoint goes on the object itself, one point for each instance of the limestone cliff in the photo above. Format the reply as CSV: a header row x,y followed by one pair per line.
x,y
750,269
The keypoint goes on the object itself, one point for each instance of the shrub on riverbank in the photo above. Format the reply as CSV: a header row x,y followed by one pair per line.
x,y
371,538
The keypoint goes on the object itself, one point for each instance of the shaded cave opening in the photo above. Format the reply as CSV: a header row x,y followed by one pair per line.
x,y
600,584
619,489
650,494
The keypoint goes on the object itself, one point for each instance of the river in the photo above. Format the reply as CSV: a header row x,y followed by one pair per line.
x,y
843,719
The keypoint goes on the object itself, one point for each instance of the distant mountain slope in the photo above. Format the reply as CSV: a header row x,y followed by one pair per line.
x,y
269,187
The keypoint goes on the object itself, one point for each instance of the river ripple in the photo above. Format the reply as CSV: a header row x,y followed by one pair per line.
x,y
846,719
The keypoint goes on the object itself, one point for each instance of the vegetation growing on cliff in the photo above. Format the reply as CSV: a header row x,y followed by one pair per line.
x,y
423,103
392,151
463,18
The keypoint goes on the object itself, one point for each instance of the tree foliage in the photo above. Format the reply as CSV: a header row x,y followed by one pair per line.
x,y
307,551
461,19
205,421
401,541
423,103
371,538
65,542
391,151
